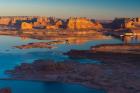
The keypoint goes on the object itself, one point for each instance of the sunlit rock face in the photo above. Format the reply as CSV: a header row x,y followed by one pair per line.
x,y
51,27
55,24
41,22
5,21
36,22
129,24
26,26
82,23
71,23
59,23
138,20
44,22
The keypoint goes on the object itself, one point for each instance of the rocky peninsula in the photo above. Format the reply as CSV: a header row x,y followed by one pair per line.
x,y
48,45
116,76
110,53
117,48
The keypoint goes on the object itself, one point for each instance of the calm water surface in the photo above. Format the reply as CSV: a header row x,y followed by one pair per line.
x,y
11,56
46,87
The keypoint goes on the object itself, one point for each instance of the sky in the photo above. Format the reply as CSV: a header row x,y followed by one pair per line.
x,y
98,9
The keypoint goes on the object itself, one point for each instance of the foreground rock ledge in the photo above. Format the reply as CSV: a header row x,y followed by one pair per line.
x,y
113,78
110,53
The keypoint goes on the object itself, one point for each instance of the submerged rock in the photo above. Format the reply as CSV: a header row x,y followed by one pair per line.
x,y
5,90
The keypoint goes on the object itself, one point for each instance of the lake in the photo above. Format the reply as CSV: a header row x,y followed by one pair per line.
x,y
45,87
11,57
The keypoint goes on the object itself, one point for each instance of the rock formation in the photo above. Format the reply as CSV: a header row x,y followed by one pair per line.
x,y
26,26
36,22
113,76
5,21
59,24
82,23
51,27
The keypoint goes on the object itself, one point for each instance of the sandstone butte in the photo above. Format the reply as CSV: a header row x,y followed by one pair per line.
x,y
82,23
51,23
41,22
26,26
5,21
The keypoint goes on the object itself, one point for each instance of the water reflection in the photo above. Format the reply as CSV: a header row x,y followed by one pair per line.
x,y
24,38
131,39
10,56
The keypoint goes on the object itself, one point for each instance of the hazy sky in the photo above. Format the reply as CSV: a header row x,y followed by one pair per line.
x,y
101,9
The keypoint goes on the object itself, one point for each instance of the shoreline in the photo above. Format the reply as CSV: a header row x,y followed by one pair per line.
x,y
47,81
115,68
91,75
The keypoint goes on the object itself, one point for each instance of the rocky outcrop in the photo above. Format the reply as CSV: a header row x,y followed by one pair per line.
x,y
5,21
82,23
49,23
59,24
117,48
26,26
5,90
48,45
115,77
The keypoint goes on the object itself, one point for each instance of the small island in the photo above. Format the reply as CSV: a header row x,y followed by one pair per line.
x,y
48,45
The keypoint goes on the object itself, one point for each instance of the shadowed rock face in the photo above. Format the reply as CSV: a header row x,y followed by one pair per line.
x,y
110,53
118,48
5,90
115,77
126,23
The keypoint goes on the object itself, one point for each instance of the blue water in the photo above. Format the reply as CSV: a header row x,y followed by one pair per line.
x,y
11,57
45,87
